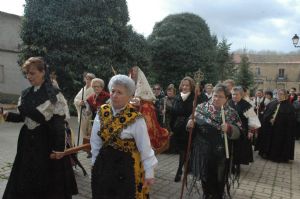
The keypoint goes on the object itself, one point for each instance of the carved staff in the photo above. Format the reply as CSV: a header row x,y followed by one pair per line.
x,y
113,70
225,135
73,150
199,76
80,118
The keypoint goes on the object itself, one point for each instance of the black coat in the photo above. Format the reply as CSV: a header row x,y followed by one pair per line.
x,y
181,112
278,140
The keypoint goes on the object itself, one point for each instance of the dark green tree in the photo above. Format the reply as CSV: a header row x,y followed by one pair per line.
x,y
244,75
76,36
181,44
224,61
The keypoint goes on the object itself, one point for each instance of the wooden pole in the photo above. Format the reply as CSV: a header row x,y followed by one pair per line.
x,y
80,118
225,135
73,150
187,154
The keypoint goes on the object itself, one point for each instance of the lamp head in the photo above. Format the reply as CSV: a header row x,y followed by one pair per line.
x,y
295,39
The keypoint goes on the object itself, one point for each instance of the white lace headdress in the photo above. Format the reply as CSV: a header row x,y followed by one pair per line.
x,y
143,89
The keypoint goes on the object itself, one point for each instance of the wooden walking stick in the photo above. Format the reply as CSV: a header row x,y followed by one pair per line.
x,y
113,70
73,150
164,110
225,135
80,117
198,76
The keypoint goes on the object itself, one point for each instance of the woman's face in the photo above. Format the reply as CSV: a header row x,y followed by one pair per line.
x,y
236,96
281,96
134,73
259,94
119,96
34,76
97,87
170,93
185,86
218,99
88,81
208,89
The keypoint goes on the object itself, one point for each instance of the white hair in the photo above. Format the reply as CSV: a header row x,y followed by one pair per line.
x,y
122,80
98,80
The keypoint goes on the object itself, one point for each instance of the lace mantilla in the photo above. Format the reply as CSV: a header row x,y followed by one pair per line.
x,y
31,124
59,108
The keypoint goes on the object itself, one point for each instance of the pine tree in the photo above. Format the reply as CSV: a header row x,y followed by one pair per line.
x,y
244,76
224,61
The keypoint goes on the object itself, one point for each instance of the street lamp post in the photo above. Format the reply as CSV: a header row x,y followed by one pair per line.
x,y
295,40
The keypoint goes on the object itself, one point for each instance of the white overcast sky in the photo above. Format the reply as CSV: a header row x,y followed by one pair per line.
x,y
251,24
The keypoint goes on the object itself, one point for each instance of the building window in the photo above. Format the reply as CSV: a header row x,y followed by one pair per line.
x,y
281,73
1,74
257,71
280,86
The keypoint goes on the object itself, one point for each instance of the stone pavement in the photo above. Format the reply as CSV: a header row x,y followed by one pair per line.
x,y
260,180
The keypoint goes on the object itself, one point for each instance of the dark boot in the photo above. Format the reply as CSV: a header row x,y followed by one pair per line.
x,y
178,175
206,196
180,165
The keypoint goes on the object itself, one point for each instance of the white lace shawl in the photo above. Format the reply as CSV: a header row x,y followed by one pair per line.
x,y
143,89
47,109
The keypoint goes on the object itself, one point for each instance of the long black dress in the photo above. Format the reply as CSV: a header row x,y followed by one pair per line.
x,y
243,146
34,175
278,141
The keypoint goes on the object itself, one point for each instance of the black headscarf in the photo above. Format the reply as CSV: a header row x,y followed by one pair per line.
x,y
50,89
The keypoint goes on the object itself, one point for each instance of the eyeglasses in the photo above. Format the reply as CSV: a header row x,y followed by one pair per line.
x,y
156,88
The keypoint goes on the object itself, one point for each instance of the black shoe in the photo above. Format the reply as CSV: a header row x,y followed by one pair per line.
x,y
206,196
89,155
177,177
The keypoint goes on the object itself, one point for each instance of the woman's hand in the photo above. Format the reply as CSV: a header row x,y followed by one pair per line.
x,y
57,155
81,103
148,182
3,115
250,135
224,127
135,102
190,124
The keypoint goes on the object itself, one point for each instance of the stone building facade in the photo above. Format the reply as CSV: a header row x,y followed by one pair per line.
x,y
11,78
274,71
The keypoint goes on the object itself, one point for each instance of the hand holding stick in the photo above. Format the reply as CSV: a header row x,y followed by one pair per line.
x,y
225,135
58,155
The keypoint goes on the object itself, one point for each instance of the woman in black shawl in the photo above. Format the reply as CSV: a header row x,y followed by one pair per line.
x,y
278,141
181,111
43,110
243,153
208,162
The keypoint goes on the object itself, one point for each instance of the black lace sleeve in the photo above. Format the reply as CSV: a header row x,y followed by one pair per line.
x,y
14,117
58,132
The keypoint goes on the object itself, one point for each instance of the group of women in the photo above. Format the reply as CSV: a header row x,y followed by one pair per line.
x,y
126,135
122,155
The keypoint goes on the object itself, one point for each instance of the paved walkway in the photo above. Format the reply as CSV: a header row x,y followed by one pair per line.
x,y
260,180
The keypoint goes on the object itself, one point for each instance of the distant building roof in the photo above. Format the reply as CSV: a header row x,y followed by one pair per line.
x,y
269,58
